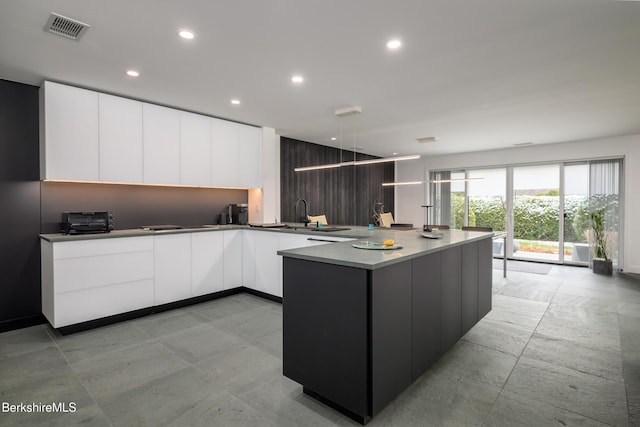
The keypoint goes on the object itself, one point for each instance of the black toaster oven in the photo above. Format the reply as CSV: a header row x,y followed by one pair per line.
x,y
87,222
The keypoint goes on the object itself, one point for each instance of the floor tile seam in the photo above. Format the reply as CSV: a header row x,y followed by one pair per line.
x,y
526,397
507,323
591,332
107,397
177,332
182,359
610,382
108,352
27,352
194,364
270,414
83,385
551,337
491,348
514,367
474,380
540,333
624,376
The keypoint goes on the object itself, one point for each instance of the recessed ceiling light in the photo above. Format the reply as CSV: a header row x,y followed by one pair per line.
x,y
333,138
235,101
297,78
394,44
186,34
133,73
395,154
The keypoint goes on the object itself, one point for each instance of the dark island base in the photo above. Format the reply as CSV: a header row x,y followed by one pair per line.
x,y
355,338
357,418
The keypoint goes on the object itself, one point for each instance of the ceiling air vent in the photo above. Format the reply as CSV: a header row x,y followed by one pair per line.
x,y
66,27
427,139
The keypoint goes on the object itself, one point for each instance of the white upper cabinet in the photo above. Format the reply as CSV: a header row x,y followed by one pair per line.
x,y
120,139
225,158
250,156
195,149
90,136
69,133
161,136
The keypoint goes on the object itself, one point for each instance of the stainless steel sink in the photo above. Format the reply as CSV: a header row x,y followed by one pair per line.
x,y
329,229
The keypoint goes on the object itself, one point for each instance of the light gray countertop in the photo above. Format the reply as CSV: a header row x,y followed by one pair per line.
x,y
413,246
339,253
354,232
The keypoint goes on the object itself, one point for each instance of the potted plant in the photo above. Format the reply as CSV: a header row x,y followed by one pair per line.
x,y
602,264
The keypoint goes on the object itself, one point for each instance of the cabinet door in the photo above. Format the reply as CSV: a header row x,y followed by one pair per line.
x,y
451,297
250,156
70,133
290,241
266,253
225,160
161,136
469,286
207,262
425,313
233,259
120,139
195,149
172,268
249,259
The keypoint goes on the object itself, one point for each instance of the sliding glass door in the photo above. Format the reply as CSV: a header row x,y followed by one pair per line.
x,y
544,208
576,210
536,213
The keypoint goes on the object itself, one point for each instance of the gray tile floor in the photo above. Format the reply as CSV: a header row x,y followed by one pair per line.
x,y
557,349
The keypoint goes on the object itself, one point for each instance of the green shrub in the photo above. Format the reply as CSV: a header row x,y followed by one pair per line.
x,y
536,217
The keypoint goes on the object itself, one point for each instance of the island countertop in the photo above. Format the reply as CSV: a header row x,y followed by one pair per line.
x,y
413,246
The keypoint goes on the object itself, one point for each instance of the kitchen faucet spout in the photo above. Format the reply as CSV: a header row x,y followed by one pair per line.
x,y
305,216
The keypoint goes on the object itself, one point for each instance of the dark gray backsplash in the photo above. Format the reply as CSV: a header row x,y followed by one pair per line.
x,y
136,205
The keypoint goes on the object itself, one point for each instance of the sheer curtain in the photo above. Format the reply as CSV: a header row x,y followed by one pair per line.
x,y
605,192
440,199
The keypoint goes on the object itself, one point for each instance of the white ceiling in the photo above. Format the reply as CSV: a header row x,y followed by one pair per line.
x,y
477,74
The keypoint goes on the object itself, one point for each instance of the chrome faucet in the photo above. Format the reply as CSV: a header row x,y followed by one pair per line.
x,y
305,218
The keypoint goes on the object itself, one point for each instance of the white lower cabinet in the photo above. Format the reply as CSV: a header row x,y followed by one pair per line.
x,y
172,268
232,259
207,263
249,259
90,279
266,262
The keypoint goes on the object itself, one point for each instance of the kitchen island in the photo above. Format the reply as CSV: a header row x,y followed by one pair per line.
x,y
359,326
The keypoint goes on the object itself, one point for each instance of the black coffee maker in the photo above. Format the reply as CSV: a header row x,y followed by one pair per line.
x,y
235,214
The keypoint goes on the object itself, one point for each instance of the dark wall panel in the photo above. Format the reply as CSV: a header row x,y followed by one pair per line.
x,y
345,195
136,205
20,206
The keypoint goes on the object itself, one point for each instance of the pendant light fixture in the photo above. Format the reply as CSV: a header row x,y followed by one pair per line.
x,y
345,112
435,181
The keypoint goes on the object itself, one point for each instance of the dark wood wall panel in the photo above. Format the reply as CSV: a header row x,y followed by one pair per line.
x,y
345,195
20,211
